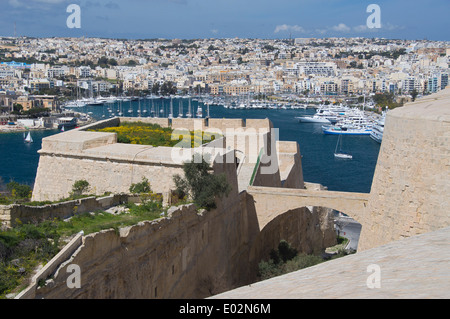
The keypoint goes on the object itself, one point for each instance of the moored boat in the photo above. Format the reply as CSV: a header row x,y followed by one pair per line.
x,y
378,130
346,130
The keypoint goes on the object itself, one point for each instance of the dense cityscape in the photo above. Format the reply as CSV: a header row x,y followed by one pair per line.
x,y
47,72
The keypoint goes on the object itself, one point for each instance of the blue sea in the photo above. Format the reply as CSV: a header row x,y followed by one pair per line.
x,y
19,160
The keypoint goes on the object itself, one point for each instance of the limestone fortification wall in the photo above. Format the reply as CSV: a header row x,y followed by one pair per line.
x,y
58,172
10,215
188,254
290,164
410,190
184,255
109,166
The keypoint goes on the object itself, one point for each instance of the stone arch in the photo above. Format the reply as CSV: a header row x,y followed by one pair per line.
x,y
271,202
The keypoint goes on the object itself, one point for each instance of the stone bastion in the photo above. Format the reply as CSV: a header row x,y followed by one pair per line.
x,y
109,166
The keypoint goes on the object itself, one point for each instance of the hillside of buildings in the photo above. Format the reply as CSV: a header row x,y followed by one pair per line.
x,y
46,73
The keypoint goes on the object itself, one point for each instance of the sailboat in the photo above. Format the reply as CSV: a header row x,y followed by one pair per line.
x,y
199,111
171,109
130,110
29,139
180,109
188,114
62,129
340,153
153,109
145,107
139,109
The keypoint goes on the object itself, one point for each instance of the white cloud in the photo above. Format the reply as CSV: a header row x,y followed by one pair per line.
x,y
360,28
286,27
29,4
15,3
390,27
50,1
341,27
384,27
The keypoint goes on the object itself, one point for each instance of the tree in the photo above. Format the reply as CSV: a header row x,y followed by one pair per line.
x,y
19,191
168,88
80,187
284,253
201,185
112,62
140,188
17,108
414,94
212,48
155,88
131,63
103,62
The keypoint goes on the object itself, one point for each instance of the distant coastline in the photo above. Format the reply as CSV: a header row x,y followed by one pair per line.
x,y
19,129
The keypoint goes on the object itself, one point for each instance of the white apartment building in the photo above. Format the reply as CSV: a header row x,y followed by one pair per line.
x,y
56,72
84,72
410,84
4,73
317,68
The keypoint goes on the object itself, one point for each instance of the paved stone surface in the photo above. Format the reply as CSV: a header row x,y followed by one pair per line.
x,y
417,268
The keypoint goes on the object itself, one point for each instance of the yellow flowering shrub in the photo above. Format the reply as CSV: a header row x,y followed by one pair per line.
x,y
155,135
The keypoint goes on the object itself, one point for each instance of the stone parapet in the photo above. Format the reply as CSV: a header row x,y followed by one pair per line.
x,y
10,215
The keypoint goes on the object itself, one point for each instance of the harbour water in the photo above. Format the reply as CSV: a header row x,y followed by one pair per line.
x,y
19,160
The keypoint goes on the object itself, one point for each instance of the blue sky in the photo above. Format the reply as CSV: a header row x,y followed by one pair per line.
x,y
401,19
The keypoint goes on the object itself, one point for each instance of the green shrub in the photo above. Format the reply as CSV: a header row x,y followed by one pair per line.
x,y
19,191
285,251
80,187
141,188
286,259
201,185
22,249
283,260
